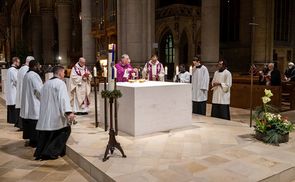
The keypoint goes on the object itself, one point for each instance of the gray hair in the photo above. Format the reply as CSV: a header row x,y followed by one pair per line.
x,y
29,58
124,56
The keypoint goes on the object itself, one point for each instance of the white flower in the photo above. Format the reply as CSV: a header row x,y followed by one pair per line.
x,y
265,100
268,93
279,116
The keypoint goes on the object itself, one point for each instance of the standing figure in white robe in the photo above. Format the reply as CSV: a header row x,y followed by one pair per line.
x,y
30,103
55,114
222,82
200,86
153,70
80,87
10,86
183,75
20,77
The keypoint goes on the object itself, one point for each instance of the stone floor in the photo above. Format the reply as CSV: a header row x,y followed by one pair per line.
x,y
209,150
17,162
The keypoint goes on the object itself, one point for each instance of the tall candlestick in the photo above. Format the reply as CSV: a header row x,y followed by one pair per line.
x,y
94,71
177,70
191,70
166,70
115,72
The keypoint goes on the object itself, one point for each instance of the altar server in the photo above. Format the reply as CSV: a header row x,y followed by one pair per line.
x,y
80,87
124,69
20,76
153,70
221,84
10,91
200,85
183,75
30,103
55,113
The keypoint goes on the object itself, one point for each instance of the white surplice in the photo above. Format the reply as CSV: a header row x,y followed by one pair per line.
x,y
221,94
30,103
200,84
54,104
183,77
20,77
11,82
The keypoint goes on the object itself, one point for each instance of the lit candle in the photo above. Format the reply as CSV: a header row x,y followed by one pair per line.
x,y
166,70
115,72
177,70
94,72
191,70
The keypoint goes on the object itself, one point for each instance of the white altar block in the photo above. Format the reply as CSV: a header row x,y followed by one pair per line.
x,y
152,107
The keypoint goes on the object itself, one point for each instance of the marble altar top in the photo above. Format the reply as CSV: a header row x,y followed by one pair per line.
x,y
149,84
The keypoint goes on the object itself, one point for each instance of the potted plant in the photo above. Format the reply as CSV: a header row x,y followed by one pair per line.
x,y
270,126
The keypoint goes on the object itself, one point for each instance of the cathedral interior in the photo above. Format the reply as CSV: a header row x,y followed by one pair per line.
x,y
60,31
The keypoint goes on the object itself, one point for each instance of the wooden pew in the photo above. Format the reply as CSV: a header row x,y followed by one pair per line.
x,y
240,95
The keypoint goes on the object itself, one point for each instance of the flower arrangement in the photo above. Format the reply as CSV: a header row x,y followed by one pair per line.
x,y
270,126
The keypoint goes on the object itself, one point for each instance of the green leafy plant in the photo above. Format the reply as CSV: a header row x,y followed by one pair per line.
x,y
111,94
269,123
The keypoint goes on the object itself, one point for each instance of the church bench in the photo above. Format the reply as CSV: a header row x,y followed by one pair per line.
x,y
240,95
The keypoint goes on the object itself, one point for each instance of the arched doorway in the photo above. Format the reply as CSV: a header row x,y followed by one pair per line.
x,y
167,53
183,49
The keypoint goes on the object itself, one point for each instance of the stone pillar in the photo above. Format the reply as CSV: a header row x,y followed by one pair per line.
x,y
64,30
88,41
47,35
136,29
262,44
210,33
36,36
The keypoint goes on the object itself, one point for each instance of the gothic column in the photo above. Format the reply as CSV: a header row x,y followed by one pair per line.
x,y
262,44
136,29
64,30
210,21
47,35
88,41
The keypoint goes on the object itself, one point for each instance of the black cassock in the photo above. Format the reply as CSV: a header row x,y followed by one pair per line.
x,y
52,144
220,111
11,114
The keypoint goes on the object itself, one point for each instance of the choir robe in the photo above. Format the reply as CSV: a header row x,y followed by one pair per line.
x,y
123,72
200,87
20,77
10,94
153,72
183,77
52,125
80,89
30,105
221,94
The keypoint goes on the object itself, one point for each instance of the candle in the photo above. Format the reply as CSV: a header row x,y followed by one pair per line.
x,y
115,72
191,70
177,70
166,70
105,72
94,72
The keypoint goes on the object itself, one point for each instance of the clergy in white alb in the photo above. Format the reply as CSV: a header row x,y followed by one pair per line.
x,y
30,103
20,76
183,76
55,113
80,87
221,84
200,86
10,92
153,70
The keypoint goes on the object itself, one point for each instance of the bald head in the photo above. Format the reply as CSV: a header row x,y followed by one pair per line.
x,y
82,61
28,59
